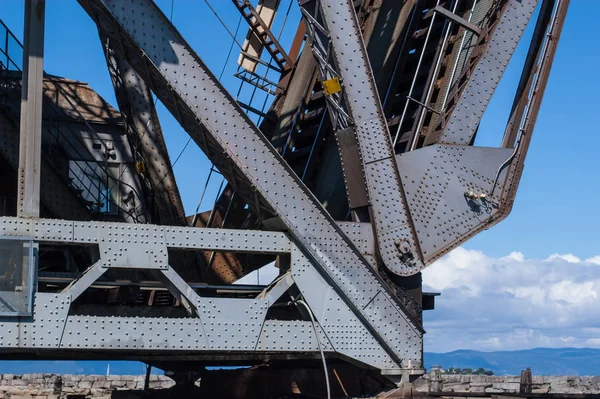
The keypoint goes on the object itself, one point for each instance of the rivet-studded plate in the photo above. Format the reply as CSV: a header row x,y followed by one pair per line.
x,y
437,180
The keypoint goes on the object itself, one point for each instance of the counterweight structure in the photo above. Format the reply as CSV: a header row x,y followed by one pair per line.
x,y
362,172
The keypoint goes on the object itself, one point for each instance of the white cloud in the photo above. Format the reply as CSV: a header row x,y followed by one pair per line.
x,y
516,256
512,302
567,257
595,260
573,293
262,276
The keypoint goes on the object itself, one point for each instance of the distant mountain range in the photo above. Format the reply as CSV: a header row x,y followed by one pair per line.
x,y
542,361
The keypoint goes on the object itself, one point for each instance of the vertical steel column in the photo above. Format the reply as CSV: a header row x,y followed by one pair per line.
x,y
31,110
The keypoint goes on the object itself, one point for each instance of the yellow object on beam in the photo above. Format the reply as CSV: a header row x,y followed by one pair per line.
x,y
140,167
332,86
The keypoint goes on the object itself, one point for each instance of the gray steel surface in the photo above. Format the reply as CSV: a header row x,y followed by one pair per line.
x,y
390,215
229,324
137,107
30,149
465,118
437,180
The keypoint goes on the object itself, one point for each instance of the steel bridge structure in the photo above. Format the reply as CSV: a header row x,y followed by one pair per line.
x,y
361,171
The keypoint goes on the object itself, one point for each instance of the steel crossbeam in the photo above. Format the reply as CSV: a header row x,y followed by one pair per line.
x,y
209,114
229,324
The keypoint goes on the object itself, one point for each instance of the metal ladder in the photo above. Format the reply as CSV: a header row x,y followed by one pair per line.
x,y
264,34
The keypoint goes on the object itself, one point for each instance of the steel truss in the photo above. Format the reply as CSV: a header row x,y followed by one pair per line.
x,y
214,324
419,204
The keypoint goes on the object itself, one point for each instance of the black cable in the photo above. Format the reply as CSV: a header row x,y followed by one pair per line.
x,y
220,76
225,26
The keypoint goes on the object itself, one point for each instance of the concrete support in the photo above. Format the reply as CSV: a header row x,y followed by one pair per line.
x,y
31,110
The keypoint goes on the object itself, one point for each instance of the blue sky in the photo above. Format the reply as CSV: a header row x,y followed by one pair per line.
x,y
551,233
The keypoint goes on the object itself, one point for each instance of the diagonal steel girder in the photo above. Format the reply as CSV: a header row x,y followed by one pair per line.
x,y
395,233
214,120
138,110
499,44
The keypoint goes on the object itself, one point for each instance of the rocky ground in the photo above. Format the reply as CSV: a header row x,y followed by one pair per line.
x,y
52,386
501,384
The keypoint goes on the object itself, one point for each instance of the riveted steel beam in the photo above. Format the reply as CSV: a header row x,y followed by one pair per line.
x,y
229,324
28,202
498,46
150,151
397,243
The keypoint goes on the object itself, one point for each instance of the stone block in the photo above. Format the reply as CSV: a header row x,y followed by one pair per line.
x,y
99,392
478,388
456,387
155,384
84,384
8,376
101,384
170,383
478,379
507,386
512,379
565,389
19,383
494,390
117,383
537,379
451,378
540,388
483,384
14,391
